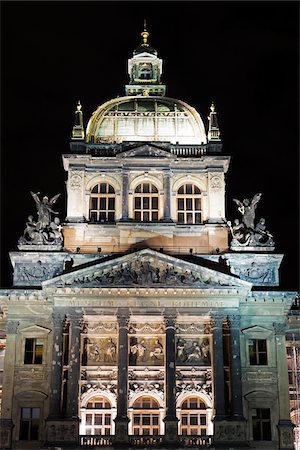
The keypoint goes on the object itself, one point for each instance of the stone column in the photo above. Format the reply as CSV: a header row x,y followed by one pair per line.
x,y
285,426
121,420
218,367
171,420
74,366
167,197
6,422
235,368
125,196
56,366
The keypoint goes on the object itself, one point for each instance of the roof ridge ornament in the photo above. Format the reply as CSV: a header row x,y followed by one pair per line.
x,y
213,128
78,130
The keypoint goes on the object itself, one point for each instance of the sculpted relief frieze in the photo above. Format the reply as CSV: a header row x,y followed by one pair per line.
x,y
143,272
99,351
193,351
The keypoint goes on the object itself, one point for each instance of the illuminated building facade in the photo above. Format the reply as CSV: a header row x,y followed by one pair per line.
x,y
136,322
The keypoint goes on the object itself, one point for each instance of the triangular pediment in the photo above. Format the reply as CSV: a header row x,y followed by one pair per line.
x,y
35,330
146,268
145,151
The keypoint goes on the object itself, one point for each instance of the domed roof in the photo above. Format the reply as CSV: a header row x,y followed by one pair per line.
x,y
145,118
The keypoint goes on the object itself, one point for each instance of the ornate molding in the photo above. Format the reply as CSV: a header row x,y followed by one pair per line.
x,y
193,328
146,387
102,327
279,328
75,181
12,327
99,387
234,321
146,328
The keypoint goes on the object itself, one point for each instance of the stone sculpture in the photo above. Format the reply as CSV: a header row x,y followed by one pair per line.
x,y
46,230
245,233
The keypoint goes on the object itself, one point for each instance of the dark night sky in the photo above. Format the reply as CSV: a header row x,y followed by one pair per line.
x,y
242,55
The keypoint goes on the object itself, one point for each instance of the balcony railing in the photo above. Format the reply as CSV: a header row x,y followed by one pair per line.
x,y
146,441
95,441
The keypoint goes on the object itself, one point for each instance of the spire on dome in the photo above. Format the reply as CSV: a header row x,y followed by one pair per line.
x,y
78,130
213,128
145,35
145,69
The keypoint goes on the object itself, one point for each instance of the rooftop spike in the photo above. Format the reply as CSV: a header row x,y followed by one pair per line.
x,y
145,35
78,130
213,128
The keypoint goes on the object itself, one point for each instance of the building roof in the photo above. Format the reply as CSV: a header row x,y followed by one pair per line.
x,y
146,118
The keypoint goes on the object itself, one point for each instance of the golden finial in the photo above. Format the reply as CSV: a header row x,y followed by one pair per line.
x,y
145,35
79,106
212,107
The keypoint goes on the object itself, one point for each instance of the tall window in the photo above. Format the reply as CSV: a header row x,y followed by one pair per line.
x,y
146,203
261,424
97,417
33,351
193,420
29,424
258,352
188,204
102,203
146,417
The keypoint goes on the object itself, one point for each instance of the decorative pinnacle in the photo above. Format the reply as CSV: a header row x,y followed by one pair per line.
x,y
145,35
78,106
212,107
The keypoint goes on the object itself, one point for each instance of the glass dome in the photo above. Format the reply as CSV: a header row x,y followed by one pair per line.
x,y
145,118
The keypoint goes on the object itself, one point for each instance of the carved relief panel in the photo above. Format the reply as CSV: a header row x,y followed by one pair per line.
x,y
193,344
146,344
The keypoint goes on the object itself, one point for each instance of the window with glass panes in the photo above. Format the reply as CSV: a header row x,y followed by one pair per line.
x,y
146,203
97,417
146,417
33,351
193,417
102,203
261,424
258,352
189,204
29,424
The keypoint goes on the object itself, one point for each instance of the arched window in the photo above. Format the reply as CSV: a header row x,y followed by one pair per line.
x,y
146,417
97,417
146,203
193,417
102,203
188,204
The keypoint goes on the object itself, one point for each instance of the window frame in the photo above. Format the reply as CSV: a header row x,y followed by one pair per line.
x,y
31,356
190,412
99,196
30,423
189,210
256,356
143,196
141,412
260,421
104,411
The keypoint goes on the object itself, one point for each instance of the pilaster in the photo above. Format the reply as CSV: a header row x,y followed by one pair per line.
x,y
121,420
171,420
8,386
56,366
285,426
167,197
125,197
